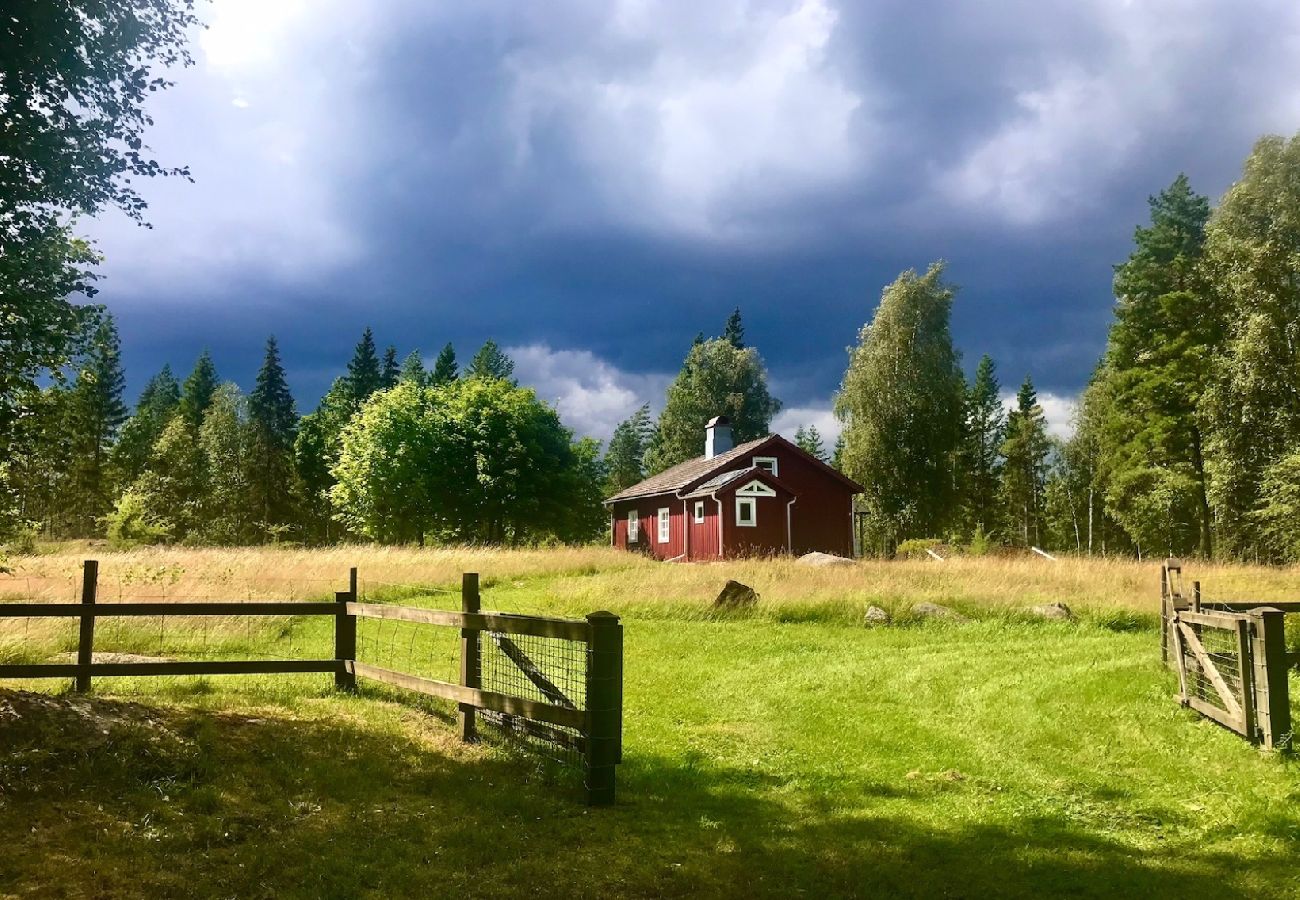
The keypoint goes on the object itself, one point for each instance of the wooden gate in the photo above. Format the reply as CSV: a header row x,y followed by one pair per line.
x,y
1215,673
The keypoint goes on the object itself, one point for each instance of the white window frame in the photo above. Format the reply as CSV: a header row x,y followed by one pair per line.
x,y
760,460
752,503
633,526
699,512
665,524
756,489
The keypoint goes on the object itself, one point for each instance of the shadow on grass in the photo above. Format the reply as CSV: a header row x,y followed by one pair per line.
x,y
107,798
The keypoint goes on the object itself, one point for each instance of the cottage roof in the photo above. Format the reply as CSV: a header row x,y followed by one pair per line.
x,y
682,474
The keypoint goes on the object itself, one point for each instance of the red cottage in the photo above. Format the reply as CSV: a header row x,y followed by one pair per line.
x,y
762,497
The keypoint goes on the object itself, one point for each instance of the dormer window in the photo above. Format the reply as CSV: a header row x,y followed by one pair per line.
x,y
766,462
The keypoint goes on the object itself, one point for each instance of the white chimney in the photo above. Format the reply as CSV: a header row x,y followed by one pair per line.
x,y
717,436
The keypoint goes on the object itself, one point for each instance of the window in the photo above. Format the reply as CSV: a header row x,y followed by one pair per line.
x,y
665,520
766,462
746,511
633,526
699,511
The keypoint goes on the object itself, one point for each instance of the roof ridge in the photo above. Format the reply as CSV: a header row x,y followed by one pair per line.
x,y
682,474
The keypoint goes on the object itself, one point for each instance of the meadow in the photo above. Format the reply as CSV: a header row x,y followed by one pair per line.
x,y
781,751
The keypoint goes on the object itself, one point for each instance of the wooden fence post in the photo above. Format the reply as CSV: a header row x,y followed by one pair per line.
x,y
470,673
604,707
86,640
345,636
1272,697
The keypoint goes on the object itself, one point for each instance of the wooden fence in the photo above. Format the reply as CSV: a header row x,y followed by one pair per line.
x,y
1231,657
593,728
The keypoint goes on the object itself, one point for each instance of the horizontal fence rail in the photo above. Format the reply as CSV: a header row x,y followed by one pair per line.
x,y
589,653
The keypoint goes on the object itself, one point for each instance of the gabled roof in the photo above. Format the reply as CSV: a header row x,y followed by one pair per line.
x,y
734,480
693,471
682,474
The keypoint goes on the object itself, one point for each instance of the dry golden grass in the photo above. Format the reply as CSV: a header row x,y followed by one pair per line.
x,y
587,578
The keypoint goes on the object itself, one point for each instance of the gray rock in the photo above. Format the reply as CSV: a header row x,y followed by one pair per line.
x,y
823,559
1056,611
876,616
736,596
935,611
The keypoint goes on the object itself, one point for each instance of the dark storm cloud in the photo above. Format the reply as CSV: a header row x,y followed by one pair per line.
x,y
606,180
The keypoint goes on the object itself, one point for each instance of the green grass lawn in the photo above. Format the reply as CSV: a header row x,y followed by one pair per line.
x,y
762,758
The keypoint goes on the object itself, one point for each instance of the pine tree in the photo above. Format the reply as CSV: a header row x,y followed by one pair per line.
x,y
1148,396
1024,473
95,412
364,376
491,362
734,332
272,430
444,367
809,440
157,404
715,379
197,391
981,454
625,458
901,403
390,371
837,455
413,370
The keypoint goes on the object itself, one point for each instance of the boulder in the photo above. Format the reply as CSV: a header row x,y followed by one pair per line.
x,y
1055,611
935,611
736,596
876,616
823,559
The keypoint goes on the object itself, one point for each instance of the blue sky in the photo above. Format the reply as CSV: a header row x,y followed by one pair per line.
x,y
590,184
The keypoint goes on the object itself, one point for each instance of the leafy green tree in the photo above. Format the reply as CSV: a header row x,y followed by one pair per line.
x,y
1277,515
901,402
444,367
490,362
389,371
95,412
157,404
272,431
981,451
226,512
364,374
1251,250
316,449
734,332
809,440
475,460
74,77
625,458
716,379
197,391
1024,473
413,369
1148,396
174,485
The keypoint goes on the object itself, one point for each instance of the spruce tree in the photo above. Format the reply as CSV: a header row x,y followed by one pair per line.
x,y
197,391
1148,396
364,375
981,453
413,370
272,430
491,362
716,379
389,371
226,509
734,332
95,412
625,458
901,403
155,407
1024,473
809,440
444,367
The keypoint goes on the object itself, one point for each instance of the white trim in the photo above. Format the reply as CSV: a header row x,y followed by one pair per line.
x,y
758,462
633,526
752,503
665,524
699,512
756,489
